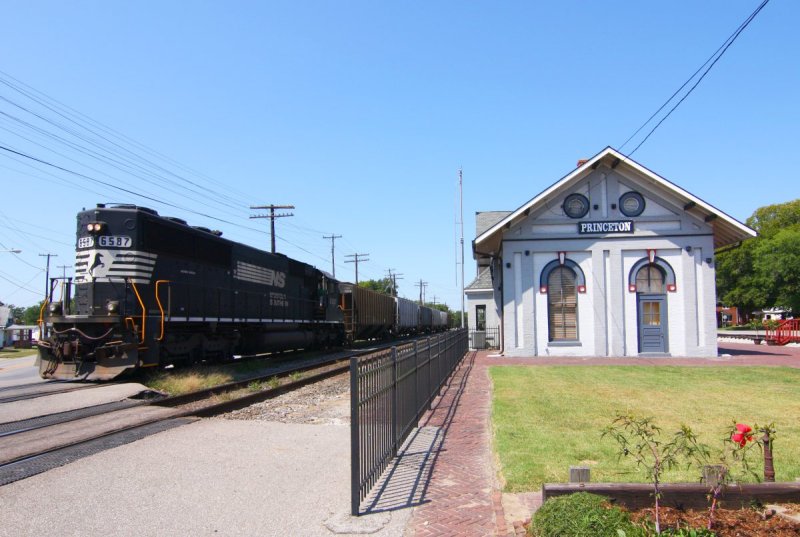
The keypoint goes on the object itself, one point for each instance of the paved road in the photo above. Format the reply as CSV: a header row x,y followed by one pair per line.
x,y
17,371
215,477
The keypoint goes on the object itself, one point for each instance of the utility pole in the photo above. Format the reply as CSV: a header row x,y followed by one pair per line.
x,y
393,277
333,259
64,270
461,196
64,281
421,286
47,274
356,259
272,216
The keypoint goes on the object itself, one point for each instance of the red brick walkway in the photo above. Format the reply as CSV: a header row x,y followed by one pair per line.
x,y
462,497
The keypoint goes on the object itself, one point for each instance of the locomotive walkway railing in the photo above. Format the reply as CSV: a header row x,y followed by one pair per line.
x,y
389,392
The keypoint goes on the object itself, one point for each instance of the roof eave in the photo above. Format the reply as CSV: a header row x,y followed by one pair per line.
x,y
525,208
708,211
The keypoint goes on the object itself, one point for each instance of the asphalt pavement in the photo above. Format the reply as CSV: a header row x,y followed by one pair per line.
x,y
19,370
213,477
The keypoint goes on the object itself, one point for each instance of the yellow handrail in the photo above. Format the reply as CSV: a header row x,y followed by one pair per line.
x,y
144,312
160,308
40,322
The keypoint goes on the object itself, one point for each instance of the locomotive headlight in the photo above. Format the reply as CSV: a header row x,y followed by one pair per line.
x,y
55,308
95,227
112,306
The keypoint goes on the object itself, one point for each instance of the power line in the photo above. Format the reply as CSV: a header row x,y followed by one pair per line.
x,y
198,197
5,276
90,125
716,56
144,196
61,130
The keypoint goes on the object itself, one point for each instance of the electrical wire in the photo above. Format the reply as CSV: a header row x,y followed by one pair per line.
x,y
91,139
716,57
76,117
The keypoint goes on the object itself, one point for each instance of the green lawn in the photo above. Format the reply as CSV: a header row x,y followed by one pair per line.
x,y
548,418
9,352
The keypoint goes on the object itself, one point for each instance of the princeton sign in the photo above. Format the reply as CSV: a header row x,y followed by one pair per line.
x,y
621,226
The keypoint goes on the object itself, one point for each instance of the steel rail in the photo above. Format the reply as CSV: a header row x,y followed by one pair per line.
x,y
34,394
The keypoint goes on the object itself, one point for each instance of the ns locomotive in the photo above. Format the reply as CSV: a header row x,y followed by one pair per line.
x,y
151,291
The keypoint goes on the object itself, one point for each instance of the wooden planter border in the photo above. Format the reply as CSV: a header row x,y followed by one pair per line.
x,y
680,495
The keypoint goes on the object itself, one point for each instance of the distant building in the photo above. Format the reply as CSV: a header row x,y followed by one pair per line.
x,y
5,314
728,316
774,314
611,260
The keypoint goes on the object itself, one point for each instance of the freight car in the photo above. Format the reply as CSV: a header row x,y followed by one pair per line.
x,y
151,291
366,314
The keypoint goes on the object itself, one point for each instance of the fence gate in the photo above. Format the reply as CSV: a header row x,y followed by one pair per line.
x,y
389,392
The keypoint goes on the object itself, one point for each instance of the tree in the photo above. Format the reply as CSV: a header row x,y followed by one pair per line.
x,y
455,319
31,314
440,307
765,271
16,313
384,285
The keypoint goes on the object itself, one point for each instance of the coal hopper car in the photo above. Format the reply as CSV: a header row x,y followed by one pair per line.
x,y
367,314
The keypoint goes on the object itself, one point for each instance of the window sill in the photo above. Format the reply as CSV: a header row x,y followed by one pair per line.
x,y
570,343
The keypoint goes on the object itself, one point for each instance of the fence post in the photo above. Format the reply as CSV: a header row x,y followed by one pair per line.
x,y
395,403
430,374
355,451
416,378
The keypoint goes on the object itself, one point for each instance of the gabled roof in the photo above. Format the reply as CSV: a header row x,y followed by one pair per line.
x,y
481,282
486,219
727,230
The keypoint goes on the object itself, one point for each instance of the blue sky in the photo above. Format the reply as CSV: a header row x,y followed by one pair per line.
x,y
361,113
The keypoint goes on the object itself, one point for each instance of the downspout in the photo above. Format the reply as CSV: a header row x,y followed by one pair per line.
x,y
492,259
502,311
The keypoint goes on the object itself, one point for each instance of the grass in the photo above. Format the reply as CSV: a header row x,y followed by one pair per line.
x,y
548,418
10,352
581,514
189,380
184,380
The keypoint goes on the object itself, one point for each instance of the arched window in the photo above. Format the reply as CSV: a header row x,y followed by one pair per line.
x,y
562,304
656,277
650,279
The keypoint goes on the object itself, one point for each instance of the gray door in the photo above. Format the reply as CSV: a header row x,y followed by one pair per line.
x,y
652,323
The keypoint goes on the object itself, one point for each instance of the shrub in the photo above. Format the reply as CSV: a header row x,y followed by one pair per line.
x,y
582,515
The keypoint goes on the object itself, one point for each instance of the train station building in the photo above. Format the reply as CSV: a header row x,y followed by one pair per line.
x,y
611,260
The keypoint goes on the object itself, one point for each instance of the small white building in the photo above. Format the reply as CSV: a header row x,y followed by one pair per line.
x,y
611,260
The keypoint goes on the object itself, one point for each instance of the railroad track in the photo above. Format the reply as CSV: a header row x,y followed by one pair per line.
x,y
34,390
33,446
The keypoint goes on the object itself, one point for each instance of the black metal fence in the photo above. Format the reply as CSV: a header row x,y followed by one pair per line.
x,y
488,338
389,392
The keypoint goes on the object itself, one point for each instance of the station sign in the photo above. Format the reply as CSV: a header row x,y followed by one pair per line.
x,y
619,226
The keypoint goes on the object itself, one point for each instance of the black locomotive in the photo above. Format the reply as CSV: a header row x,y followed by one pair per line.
x,y
151,291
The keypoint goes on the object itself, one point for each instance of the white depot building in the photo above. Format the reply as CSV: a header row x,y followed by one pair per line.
x,y
612,260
